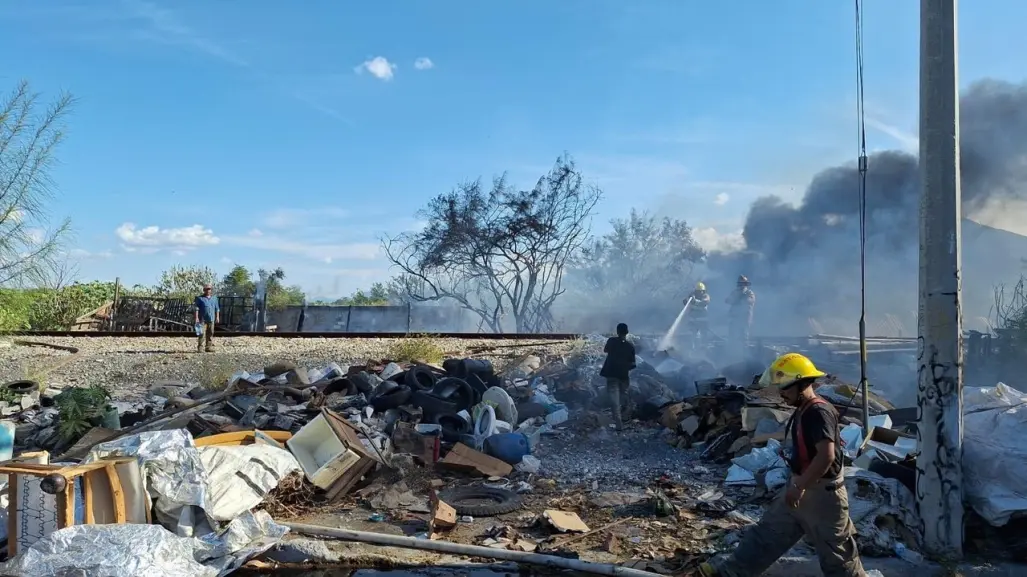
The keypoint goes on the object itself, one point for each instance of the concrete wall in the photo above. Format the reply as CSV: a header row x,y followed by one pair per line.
x,y
389,319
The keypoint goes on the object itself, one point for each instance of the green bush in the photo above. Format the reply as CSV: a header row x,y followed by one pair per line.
x,y
422,349
42,309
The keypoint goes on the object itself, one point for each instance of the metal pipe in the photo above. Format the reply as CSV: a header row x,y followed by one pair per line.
x,y
468,550
939,474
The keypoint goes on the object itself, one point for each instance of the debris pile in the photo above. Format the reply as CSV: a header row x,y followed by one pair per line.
x,y
212,473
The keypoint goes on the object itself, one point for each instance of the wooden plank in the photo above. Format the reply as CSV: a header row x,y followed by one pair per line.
x,y
237,438
87,498
66,506
117,494
13,500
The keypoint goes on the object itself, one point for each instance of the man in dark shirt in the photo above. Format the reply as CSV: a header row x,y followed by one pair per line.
x,y
815,503
620,360
208,313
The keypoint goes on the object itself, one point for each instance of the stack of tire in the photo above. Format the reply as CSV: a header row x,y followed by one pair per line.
x,y
441,396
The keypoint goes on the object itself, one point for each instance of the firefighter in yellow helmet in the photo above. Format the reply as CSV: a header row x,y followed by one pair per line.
x,y
698,309
815,503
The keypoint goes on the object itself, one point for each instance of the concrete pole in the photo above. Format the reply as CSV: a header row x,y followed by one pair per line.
x,y
939,479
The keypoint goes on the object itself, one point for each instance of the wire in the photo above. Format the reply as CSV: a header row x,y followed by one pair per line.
x,y
862,137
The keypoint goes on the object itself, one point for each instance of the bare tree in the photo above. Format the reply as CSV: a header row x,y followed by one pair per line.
x,y
499,253
28,141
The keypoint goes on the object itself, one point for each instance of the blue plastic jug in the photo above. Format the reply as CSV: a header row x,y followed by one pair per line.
x,y
6,440
507,447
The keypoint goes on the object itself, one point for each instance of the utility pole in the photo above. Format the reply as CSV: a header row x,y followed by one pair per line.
x,y
939,473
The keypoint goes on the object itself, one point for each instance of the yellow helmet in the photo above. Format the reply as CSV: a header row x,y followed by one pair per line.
x,y
787,369
700,286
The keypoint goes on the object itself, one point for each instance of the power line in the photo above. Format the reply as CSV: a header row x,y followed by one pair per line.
x,y
862,137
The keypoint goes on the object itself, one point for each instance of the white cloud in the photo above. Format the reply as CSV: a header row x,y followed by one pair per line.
x,y
379,67
713,239
255,232
721,199
300,217
424,63
154,238
323,252
15,216
82,254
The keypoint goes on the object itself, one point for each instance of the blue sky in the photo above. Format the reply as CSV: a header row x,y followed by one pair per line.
x,y
227,132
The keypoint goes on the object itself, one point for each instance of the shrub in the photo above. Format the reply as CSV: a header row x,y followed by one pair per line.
x,y
419,349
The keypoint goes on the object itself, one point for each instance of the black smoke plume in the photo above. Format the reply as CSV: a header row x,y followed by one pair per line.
x,y
804,260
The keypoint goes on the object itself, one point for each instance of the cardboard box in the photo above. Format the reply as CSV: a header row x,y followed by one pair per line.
x,y
889,444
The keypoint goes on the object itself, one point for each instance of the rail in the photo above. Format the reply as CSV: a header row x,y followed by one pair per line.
x,y
303,335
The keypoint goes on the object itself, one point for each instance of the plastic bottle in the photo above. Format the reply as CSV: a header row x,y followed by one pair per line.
x,y
6,440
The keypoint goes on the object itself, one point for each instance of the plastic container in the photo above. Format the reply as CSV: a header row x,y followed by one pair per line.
x,y
507,447
6,440
481,367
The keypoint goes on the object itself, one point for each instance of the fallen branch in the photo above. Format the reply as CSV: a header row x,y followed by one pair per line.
x,y
605,527
468,550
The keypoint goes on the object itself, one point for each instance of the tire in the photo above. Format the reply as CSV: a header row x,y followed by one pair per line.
x,y
432,405
22,387
391,399
479,386
341,385
456,391
453,426
362,382
419,378
481,501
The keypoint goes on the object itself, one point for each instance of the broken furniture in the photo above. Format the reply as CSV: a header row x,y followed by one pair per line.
x,y
43,497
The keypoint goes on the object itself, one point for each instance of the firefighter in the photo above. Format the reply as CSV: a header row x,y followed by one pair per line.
x,y
815,503
697,312
741,300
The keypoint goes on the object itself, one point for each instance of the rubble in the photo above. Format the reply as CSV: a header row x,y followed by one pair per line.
x,y
522,459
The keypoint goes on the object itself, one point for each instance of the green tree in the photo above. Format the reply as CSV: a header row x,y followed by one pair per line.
x,y
377,296
641,257
279,295
238,282
28,140
184,282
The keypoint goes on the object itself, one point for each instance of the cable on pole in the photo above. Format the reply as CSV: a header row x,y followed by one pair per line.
x,y
862,138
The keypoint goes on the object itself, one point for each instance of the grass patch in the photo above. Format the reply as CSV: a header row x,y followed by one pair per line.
x,y
417,349
214,372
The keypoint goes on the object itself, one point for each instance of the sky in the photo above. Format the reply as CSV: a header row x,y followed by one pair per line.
x,y
205,133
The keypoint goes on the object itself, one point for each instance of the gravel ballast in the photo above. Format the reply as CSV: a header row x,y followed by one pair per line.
x,y
130,366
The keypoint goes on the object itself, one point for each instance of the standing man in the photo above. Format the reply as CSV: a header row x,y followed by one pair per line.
x,y
815,503
208,313
741,300
620,360
697,313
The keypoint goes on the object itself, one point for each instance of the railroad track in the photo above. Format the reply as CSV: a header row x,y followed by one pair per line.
x,y
303,335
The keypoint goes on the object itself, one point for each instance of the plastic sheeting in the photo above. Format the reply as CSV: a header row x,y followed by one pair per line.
x,y
133,550
239,477
766,460
995,452
873,497
174,473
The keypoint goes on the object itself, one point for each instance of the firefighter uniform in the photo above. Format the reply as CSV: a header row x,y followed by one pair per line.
x,y
742,301
698,311
821,513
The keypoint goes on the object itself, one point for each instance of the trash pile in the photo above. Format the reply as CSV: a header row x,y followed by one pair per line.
x,y
201,467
